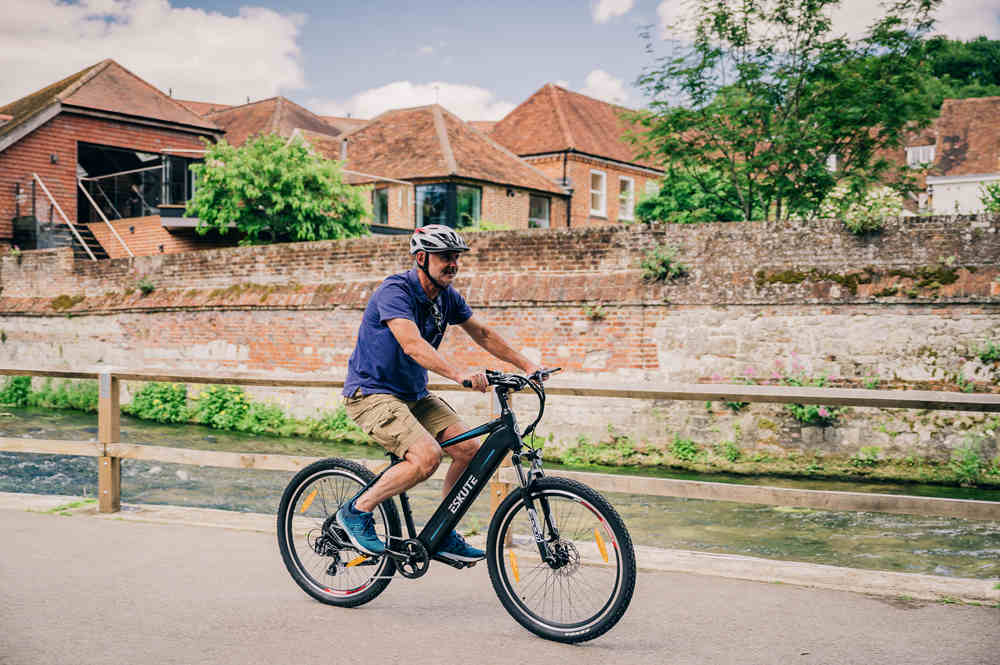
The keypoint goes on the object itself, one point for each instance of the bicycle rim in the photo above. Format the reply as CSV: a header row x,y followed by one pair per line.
x,y
575,599
315,502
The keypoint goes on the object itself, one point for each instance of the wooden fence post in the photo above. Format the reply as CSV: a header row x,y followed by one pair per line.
x,y
109,471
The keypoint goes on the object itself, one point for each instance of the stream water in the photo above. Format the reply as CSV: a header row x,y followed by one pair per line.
x,y
932,545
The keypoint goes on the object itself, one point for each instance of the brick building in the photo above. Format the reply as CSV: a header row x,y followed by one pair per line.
x,y
957,154
99,144
426,166
578,141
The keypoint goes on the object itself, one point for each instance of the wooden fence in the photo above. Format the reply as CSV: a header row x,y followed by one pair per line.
x,y
111,451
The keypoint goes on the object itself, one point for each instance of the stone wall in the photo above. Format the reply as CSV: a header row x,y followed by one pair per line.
x,y
909,307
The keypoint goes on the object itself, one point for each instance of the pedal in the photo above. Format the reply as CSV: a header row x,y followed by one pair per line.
x,y
454,564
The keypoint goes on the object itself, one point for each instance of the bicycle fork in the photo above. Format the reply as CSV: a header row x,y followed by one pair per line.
x,y
527,481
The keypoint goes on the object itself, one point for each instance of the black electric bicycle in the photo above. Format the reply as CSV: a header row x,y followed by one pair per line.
x,y
559,556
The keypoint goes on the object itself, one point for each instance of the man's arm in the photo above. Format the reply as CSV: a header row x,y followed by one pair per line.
x,y
415,346
491,340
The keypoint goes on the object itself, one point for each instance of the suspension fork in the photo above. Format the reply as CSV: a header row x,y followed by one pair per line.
x,y
527,482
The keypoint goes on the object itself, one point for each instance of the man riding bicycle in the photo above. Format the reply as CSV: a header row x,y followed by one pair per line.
x,y
386,392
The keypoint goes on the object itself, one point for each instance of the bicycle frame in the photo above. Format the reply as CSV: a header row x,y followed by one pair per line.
x,y
503,437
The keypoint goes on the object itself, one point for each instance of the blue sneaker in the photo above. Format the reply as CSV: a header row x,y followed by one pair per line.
x,y
455,548
360,528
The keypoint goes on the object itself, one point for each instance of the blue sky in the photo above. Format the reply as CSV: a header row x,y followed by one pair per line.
x,y
479,59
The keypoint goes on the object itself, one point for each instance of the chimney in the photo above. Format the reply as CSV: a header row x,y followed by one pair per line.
x,y
343,150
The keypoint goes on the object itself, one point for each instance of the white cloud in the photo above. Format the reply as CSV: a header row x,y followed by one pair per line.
x,y
466,101
604,86
202,55
605,10
958,19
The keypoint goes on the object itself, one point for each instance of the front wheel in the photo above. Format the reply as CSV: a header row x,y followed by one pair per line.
x,y
587,585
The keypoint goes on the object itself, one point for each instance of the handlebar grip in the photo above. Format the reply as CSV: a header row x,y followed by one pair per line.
x,y
466,383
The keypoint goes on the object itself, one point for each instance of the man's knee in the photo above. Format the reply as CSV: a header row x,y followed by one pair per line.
x,y
426,456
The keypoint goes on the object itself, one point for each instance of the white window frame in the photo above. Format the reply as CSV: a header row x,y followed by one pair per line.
x,y
626,212
602,191
920,154
652,187
832,162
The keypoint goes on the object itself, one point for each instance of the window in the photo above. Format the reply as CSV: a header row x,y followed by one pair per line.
x,y
380,206
538,212
448,203
652,188
626,198
832,163
469,205
598,193
921,154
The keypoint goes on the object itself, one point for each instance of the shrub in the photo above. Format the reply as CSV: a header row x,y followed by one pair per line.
x,y
146,286
684,449
989,196
160,402
990,353
76,395
16,391
862,212
661,264
868,456
967,462
262,419
221,407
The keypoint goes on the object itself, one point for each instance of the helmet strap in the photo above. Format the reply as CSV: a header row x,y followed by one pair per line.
x,y
423,266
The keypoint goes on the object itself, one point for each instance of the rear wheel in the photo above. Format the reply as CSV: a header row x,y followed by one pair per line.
x,y
319,557
586,588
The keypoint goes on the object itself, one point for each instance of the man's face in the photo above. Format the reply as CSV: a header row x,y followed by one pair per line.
x,y
443,266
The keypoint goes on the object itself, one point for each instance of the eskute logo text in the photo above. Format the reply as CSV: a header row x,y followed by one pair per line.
x,y
462,493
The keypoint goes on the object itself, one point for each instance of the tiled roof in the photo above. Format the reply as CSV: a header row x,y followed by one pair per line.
x,y
106,86
485,126
968,137
276,115
344,124
430,142
555,120
204,108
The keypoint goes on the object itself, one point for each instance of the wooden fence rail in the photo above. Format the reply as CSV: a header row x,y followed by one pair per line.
x,y
110,451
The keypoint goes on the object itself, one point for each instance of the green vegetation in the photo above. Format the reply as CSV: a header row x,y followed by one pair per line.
x,y
968,464
812,414
16,391
273,190
862,210
64,509
661,264
771,90
959,70
990,353
684,449
868,456
595,313
159,402
692,196
77,395
145,286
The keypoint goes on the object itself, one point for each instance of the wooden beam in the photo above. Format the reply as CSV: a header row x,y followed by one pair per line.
x,y
782,496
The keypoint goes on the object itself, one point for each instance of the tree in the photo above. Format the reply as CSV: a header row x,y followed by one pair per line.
x,y
959,70
688,197
769,92
278,188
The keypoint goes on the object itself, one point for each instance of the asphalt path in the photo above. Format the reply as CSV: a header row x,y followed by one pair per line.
x,y
81,589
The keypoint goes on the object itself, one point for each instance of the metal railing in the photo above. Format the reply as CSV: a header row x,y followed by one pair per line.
x,y
68,223
111,451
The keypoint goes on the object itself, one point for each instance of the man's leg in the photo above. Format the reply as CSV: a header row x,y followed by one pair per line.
x,y
419,463
461,454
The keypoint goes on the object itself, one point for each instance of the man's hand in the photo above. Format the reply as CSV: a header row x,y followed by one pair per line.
x,y
476,381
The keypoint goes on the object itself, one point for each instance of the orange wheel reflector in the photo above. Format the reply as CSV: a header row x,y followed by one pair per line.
x,y
600,545
309,501
356,560
513,565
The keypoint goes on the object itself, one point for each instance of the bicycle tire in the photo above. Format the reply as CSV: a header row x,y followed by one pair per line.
x,y
330,483
600,554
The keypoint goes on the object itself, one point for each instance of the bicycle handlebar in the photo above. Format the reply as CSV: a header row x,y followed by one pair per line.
x,y
514,381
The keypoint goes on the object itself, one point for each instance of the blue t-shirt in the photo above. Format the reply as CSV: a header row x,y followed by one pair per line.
x,y
378,364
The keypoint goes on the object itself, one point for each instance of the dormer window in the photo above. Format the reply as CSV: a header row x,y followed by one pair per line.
x,y
919,155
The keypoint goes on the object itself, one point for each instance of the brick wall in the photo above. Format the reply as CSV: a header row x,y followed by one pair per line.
x,y
59,137
909,306
145,236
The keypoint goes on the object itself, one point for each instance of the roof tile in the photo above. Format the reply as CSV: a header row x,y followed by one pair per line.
x,y
276,115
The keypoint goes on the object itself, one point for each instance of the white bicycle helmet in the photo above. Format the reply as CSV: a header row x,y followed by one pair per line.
x,y
435,239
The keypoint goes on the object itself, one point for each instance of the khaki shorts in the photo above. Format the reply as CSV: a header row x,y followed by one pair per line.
x,y
396,425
